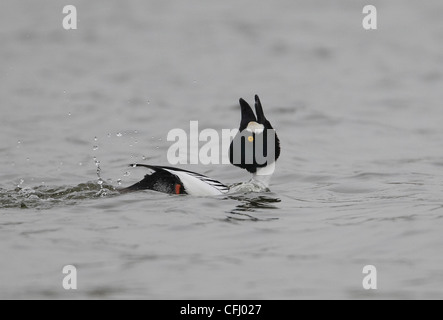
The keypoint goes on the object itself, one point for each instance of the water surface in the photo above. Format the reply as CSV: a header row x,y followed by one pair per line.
x,y
359,179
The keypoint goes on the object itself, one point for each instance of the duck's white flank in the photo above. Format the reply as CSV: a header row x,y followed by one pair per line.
x,y
199,185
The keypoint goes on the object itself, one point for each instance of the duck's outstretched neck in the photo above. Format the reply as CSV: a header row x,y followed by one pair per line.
x,y
263,175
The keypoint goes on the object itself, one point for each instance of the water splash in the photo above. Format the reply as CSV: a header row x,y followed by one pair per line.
x,y
99,178
95,146
247,187
46,197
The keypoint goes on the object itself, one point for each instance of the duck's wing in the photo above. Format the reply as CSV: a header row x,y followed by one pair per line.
x,y
178,181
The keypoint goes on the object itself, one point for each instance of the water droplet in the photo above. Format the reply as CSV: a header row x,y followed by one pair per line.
x,y
19,142
127,173
119,182
134,165
148,102
27,159
100,181
95,138
80,163
119,134
144,158
109,135
95,148
135,141
135,131
157,147
69,114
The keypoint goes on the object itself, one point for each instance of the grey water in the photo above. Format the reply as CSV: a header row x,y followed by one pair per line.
x,y
359,181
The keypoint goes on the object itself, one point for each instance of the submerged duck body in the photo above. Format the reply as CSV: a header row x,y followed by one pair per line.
x,y
255,148
178,181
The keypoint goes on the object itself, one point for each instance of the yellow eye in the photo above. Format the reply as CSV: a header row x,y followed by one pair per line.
x,y
250,138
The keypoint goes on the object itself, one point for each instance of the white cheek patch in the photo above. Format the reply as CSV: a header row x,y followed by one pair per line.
x,y
255,127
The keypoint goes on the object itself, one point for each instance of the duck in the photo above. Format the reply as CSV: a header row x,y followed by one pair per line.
x,y
255,148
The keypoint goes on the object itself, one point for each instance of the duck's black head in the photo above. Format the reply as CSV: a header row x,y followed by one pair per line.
x,y
256,145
